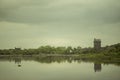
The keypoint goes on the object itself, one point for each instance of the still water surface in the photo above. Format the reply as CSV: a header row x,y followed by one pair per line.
x,y
52,68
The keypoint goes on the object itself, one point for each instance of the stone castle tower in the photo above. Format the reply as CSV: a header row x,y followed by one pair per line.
x,y
97,44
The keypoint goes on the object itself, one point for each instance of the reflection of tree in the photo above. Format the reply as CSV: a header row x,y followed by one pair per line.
x,y
51,59
18,61
58,59
97,67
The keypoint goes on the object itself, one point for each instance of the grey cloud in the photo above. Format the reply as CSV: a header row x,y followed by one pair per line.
x,y
43,11
75,21
8,7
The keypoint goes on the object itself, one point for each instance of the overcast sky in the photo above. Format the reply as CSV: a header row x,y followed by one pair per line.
x,y
33,23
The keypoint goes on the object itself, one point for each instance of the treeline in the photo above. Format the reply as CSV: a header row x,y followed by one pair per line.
x,y
108,50
42,50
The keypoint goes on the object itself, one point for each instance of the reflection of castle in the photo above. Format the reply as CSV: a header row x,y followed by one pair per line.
x,y
97,67
97,44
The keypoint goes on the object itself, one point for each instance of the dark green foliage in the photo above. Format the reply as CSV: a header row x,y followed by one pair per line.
x,y
113,50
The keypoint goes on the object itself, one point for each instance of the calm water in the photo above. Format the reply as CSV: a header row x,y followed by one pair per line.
x,y
56,68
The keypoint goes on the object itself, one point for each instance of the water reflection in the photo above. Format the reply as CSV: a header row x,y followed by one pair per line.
x,y
59,59
57,68
97,67
18,61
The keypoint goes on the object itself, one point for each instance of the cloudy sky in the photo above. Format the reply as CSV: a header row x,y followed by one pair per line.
x,y
33,23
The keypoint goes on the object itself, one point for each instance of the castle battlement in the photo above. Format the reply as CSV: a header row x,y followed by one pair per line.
x,y
97,44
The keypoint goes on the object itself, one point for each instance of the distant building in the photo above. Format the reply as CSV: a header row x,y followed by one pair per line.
x,y
17,48
97,44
